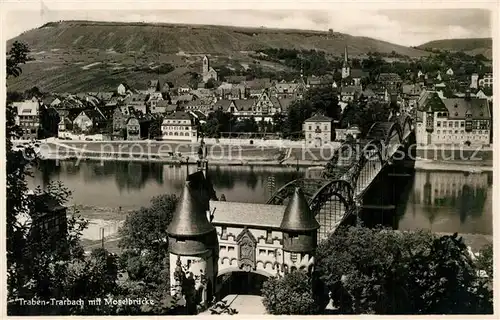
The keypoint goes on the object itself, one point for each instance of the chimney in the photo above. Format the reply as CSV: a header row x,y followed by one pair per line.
x,y
467,95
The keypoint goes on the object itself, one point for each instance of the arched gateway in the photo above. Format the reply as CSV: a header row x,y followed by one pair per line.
x,y
209,239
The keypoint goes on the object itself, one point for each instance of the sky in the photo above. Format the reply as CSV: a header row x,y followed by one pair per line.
x,y
409,27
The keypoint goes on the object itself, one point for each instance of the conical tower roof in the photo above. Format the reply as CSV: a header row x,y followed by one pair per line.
x,y
298,216
190,217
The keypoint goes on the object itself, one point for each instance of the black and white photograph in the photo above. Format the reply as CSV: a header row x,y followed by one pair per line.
x,y
321,160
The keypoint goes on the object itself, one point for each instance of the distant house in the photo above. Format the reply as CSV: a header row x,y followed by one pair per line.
x,y
179,126
325,81
163,107
486,80
450,72
28,117
133,128
120,117
350,93
420,74
122,89
356,76
199,116
389,79
342,134
89,120
138,101
318,130
288,90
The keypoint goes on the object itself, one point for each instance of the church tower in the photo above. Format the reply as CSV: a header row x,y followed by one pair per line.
x,y
346,69
300,233
206,65
192,241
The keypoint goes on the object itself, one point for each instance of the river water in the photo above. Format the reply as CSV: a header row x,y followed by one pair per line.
x,y
443,201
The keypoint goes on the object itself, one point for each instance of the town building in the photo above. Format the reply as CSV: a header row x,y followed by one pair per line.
x,y
350,93
28,117
454,121
486,80
207,71
179,126
89,120
138,101
133,129
450,72
318,130
342,134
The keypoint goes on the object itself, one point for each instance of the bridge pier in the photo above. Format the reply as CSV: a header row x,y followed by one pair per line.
x,y
386,199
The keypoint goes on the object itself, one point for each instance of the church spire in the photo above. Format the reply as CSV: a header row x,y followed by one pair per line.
x,y
346,57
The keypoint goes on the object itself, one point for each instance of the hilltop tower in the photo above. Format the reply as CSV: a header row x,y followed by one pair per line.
x,y
346,68
192,243
300,233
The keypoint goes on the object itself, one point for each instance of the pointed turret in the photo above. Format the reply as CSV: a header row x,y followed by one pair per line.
x,y
190,218
298,217
346,57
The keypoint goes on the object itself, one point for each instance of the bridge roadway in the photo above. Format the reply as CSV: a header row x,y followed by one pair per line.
x,y
350,173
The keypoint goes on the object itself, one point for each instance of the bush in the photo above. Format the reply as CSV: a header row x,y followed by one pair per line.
x,y
291,294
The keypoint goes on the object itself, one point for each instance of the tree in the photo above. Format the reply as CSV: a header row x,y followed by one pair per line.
x,y
52,265
379,271
145,257
324,100
291,295
211,83
17,55
155,128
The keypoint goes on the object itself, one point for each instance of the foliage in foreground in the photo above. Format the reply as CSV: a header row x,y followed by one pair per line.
x,y
292,295
379,271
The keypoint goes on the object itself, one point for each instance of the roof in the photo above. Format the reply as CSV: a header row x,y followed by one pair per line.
x,y
190,217
235,79
358,73
94,115
222,104
298,215
351,89
179,115
389,77
368,93
319,118
199,115
285,103
457,108
244,105
153,83
27,107
138,97
286,87
434,103
236,213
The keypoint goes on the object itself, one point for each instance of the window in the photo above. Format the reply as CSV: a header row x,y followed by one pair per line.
x,y
439,123
262,251
439,131
223,248
230,248
293,257
462,123
456,124
444,124
224,233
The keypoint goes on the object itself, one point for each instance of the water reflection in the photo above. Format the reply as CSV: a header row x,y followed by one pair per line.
x,y
443,201
451,201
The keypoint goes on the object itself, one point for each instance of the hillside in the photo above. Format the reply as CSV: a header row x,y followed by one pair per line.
x,y
470,46
64,50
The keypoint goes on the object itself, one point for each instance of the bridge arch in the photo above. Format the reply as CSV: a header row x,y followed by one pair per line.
x,y
331,204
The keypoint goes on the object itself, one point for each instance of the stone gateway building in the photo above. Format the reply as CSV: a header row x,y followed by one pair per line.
x,y
209,239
